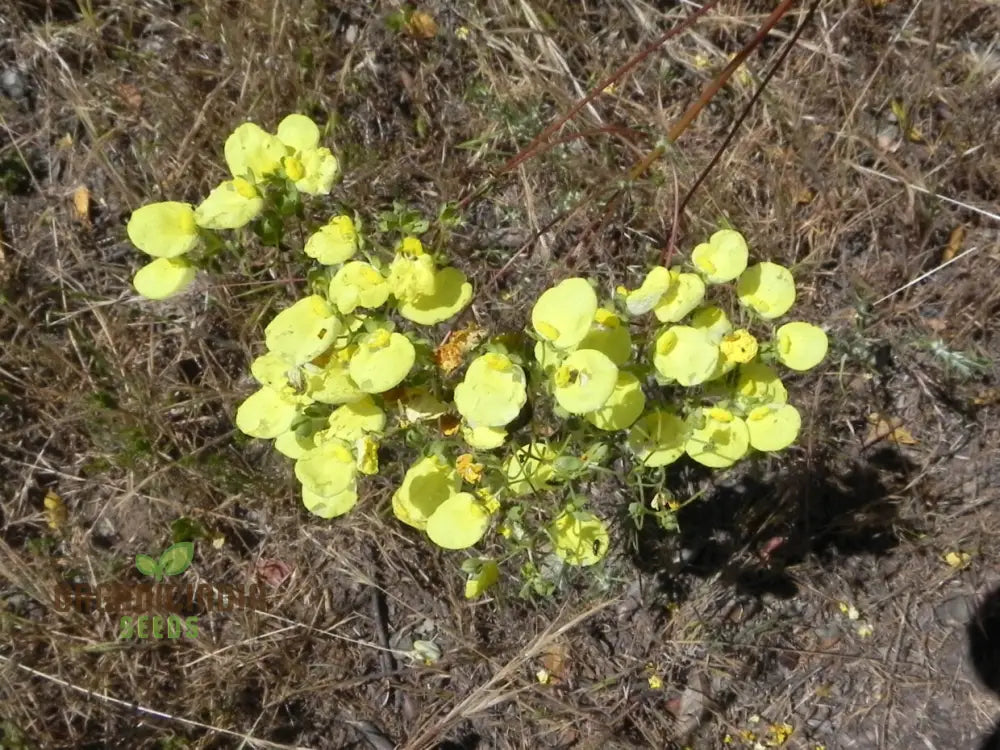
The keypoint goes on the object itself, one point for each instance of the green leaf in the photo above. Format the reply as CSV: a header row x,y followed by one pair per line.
x,y
176,558
146,565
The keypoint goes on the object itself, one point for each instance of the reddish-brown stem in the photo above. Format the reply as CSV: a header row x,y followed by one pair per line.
x,y
529,151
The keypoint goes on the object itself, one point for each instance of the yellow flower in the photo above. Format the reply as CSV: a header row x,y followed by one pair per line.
x,y
686,292
252,153
266,414
658,438
579,537
530,469
759,384
492,393
366,451
623,407
767,288
335,242
452,292
330,506
468,469
412,277
293,445
331,383
608,336
358,284
640,301
163,230
563,314
738,347
585,381
713,321
303,331
686,355
419,405
231,205
312,168
722,258
717,438
458,522
773,427
484,438
351,421
382,361
487,575
411,246
800,346
328,469
655,682
164,278
427,484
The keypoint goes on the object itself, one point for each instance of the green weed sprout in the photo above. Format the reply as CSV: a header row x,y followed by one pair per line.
x,y
345,369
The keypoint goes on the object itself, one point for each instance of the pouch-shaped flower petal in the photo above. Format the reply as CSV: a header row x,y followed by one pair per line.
x,y
163,230
335,242
252,153
382,361
563,314
767,288
717,438
773,427
640,301
687,355
584,381
163,278
298,132
492,393
351,421
658,438
426,484
266,414
800,346
759,384
722,258
452,292
328,469
458,522
329,506
231,205
530,469
303,331
487,575
579,537
320,169
484,438
608,336
685,294
713,321
331,383
293,445
412,277
419,404
623,407
358,284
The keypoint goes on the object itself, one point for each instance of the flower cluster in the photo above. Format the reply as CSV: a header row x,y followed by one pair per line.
x,y
344,373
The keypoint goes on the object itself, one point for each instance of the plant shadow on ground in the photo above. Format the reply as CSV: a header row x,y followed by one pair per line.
x,y
984,652
750,532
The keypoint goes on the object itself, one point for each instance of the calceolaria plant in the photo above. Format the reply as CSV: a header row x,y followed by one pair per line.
x,y
500,434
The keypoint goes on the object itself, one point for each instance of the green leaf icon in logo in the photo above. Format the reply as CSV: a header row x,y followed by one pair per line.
x,y
148,566
176,558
